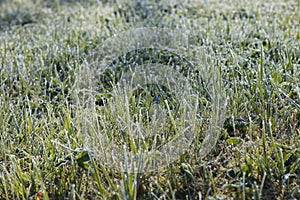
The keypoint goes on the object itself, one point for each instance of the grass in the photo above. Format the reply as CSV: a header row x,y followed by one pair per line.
x,y
255,46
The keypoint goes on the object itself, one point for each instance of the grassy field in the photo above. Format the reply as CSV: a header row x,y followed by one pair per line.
x,y
254,44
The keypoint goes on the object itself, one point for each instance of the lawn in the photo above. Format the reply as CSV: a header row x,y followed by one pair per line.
x,y
245,80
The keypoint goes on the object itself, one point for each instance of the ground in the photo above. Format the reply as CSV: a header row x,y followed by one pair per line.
x,y
255,47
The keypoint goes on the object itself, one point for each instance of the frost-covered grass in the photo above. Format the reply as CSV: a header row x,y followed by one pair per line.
x,y
254,44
